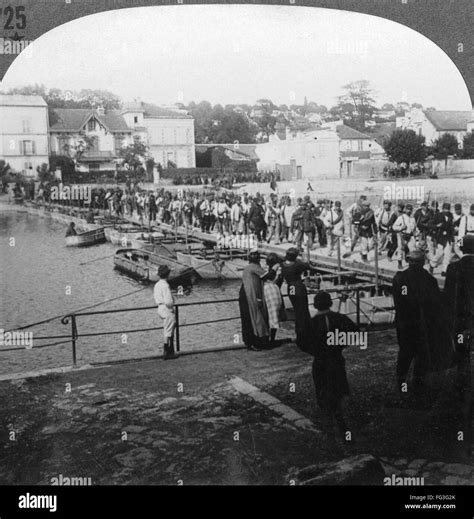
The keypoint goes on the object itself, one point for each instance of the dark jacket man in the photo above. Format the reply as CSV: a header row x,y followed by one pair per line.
x,y
422,327
459,296
443,223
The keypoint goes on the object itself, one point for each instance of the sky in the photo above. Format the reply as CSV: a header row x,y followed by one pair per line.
x,y
238,54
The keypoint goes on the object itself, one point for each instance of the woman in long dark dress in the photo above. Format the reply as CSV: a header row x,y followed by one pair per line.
x,y
255,330
292,270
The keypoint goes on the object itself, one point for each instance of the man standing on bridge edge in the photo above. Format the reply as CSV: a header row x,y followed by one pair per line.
x,y
164,300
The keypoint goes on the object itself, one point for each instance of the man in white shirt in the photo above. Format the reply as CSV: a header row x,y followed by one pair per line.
x,y
236,217
287,211
405,227
334,223
164,300
272,219
382,217
466,225
457,217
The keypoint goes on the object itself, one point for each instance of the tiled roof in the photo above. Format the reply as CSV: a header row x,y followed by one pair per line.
x,y
73,119
346,132
20,100
151,110
358,154
382,130
244,149
449,119
156,111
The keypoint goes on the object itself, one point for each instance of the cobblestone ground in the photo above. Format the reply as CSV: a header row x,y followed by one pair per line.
x,y
234,417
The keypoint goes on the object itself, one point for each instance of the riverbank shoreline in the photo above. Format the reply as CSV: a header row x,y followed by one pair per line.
x,y
195,421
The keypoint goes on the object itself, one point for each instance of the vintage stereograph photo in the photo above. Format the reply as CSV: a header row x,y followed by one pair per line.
x,y
237,248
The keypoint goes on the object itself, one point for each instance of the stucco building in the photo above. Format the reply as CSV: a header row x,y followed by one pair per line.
x,y
432,124
24,132
307,155
169,134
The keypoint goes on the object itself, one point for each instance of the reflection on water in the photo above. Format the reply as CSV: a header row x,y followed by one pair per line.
x,y
40,278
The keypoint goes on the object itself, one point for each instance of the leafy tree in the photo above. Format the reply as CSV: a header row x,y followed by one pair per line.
x,y
85,98
445,146
44,173
202,114
234,127
5,168
64,163
360,95
133,156
468,146
405,146
150,164
266,104
266,124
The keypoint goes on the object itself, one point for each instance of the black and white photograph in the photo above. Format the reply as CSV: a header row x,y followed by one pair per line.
x,y
237,249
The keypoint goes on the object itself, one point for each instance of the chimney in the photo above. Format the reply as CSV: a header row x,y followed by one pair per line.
x,y
100,111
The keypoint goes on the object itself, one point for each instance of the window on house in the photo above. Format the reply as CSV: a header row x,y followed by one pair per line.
x,y
94,167
28,165
360,145
118,143
26,126
94,145
29,147
62,146
91,125
348,145
135,119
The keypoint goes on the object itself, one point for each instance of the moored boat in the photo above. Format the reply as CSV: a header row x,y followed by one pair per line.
x,y
226,264
144,265
86,239
146,240
124,235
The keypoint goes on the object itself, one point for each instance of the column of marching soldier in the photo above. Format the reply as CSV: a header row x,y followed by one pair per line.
x,y
394,229
402,229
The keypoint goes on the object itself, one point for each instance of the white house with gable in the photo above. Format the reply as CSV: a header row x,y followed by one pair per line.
x,y
168,133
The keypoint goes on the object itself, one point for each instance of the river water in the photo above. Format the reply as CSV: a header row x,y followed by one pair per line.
x,y
41,278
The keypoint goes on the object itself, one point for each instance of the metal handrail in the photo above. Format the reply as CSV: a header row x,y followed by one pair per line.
x,y
75,335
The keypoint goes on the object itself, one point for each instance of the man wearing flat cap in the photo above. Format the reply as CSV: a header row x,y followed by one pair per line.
x,y
164,300
422,326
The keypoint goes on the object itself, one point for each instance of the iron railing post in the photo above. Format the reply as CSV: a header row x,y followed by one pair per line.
x,y
74,338
177,328
65,320
358,306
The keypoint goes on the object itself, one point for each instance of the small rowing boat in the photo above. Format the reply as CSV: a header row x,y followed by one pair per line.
x,y
85,239
124,235
144,265
146,240
210,264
